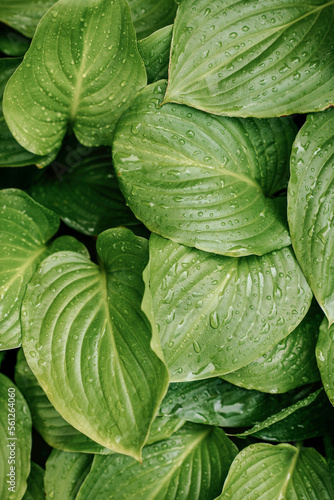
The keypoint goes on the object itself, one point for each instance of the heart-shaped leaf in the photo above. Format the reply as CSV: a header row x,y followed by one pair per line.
x,y
155,53
285,471
24,15
201,180
311,205
263,58
325,358
81,71
81,187
216,314
15,441
88,342
35,489
290,364
192,464
151,15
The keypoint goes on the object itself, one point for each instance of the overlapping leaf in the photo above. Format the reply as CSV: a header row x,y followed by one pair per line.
x,y
24,15
81,71
201,180
191,465
311,205
325,358
87,342
155,50
12,43
151,15
263,471
216,314
260,58
35,489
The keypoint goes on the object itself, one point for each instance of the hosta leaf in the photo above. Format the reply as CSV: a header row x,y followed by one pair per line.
x,y
88,341
261,58
56,431
64,474
201,180
216,314
151,15
11,153
263,471
80,186
85,87
163,428
216,402
311,205
15,441
24,15
155,53
191,465
35,489
325,358
12,43
25,228
290,364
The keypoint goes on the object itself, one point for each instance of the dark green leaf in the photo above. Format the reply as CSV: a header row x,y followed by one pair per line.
x,y
325,358
155,53
12,43
35,490
151,15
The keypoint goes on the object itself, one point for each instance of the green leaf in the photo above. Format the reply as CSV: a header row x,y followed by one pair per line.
x,y
282,472
154,50
81,187
191,465
55,431
15,441
151,15
25,228
85,87
35,489
2,356
163,428
11,153
201,180
325,358
290,364
64,474
87,341
24,15
311,205
216,314
12,43
240,58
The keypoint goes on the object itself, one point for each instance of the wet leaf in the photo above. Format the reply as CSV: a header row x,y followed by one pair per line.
x,y
154,50
35,489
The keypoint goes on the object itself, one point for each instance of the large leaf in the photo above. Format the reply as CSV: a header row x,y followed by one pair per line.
x,y
325,358
64,474
88,342
216,314
201,180
264,471
24,15
260,58
35,489
15,441
155,53
81,187
311,205
151,15
191,465
81,71
290,364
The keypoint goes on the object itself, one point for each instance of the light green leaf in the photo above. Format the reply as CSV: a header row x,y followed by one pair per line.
x,y
163,428
55,431
81,71
264,471
325,358
216,314
87,341
151,15
24,15
25,228
35,490
154,50
241,58
11,153
191,465
201,180
290,364
15,441
311,205
64,474
81,187
12,43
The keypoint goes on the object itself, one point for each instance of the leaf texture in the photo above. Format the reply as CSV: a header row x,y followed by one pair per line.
x,y
155,50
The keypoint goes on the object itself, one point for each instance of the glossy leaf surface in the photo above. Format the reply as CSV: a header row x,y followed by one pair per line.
x,y
151,15
155,50
325,358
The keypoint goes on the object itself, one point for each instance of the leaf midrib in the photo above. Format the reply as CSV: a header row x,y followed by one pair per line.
x,y
23,268
289,474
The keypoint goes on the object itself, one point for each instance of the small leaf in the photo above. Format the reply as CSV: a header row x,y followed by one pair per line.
x,y
64,474
241,58
311,205
290,364
201,180
285,471
216,314
151,15
35,489
81,71
15,441
154,50
88,341
163,428
192,464
325,358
